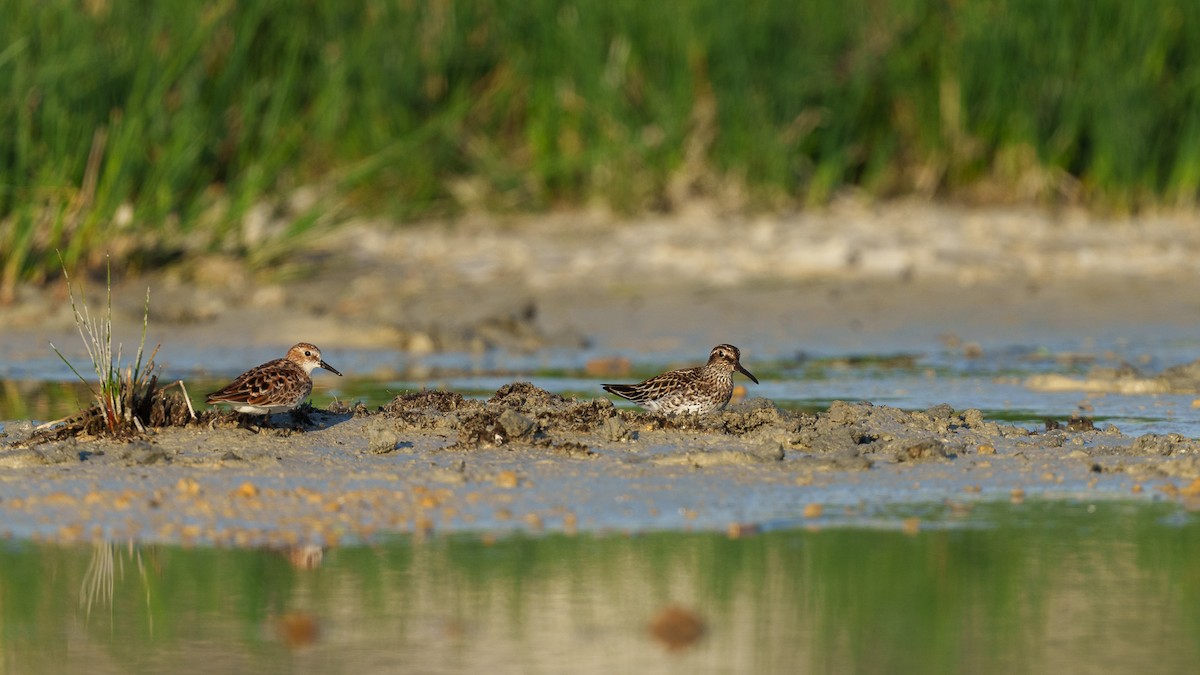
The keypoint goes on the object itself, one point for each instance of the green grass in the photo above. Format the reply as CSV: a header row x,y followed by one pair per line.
x,y
117,392
127,396
159,127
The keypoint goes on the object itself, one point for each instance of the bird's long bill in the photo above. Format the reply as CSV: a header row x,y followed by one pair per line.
x,y
333,370
745,372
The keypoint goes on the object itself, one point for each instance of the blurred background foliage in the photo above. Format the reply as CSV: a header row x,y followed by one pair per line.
x,y
149,129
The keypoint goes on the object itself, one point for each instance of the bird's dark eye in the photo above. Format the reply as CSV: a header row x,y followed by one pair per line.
x,y
307,353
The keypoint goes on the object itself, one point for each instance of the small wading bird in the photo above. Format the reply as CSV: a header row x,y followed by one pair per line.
x,y
275,386
703,389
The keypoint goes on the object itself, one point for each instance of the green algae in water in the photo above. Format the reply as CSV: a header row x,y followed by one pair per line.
x,y
1042,587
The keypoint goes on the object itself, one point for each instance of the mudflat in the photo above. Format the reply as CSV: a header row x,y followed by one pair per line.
x,y
852,278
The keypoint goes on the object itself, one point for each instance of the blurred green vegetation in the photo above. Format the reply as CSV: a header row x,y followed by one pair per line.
x,y
158,128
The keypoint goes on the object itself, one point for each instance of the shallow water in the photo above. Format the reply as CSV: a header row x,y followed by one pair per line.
x,y
1039,587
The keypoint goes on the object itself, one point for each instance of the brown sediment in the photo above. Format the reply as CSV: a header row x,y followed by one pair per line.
x,y
149,408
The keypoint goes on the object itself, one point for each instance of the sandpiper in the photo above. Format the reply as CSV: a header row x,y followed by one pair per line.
x,y
703,389
275,386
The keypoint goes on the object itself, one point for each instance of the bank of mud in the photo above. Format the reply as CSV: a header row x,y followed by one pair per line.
x,y
857,278
528,460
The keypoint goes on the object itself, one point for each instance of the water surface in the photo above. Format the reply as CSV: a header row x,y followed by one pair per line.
x,y
1039,587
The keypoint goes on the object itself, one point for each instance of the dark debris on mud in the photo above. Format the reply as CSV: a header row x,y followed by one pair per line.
x,y
521,416
167,410
518,413
160,409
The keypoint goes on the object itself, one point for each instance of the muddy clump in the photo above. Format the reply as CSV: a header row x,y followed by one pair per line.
x,y
1164,445
431,409
522,412
151,409
492,428
550,413
856,428
576,416
756,414
516,412
525,397
438,401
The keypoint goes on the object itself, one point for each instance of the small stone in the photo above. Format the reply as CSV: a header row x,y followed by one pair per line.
x,y
382,438
515,424
616,430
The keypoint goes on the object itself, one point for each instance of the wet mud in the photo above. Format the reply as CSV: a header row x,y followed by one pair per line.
x,y
530,460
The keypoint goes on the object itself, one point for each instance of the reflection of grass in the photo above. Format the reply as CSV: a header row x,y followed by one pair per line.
x,y
100,578
118,392
998,589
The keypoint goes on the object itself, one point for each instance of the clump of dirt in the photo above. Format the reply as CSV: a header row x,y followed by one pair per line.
x,y
757,414
523,412
1164,445
430,409
481,429
855,428
576,416
524,397
438,401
